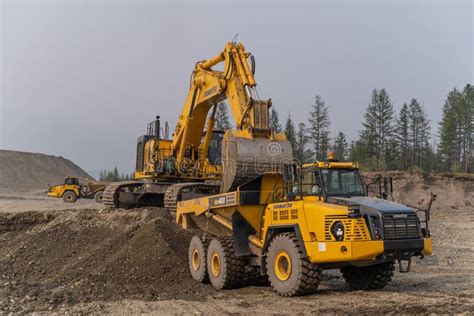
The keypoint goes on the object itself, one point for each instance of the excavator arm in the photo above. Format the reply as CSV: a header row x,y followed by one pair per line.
x,y
237,85
169,170
247,151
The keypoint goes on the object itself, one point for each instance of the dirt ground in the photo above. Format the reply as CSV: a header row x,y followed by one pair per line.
x,y
58,258
36,200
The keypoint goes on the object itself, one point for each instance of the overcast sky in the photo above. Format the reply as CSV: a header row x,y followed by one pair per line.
x,y
81,79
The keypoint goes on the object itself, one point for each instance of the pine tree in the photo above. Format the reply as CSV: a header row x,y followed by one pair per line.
x,y
302,152
115,176
456,130
402,137
274,121
392,155
378,125
340,147
359,151
222,118
448,148
319,128
418,133
290,133
467,128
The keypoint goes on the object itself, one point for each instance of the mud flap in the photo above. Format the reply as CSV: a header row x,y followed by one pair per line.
x,y
241,231
404,268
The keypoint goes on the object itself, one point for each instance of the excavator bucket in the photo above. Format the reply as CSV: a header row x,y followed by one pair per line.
x,y
245,158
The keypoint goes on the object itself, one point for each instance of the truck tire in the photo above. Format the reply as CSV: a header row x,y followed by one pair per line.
x,y
99,197
369,278
289,271
69,197
225,269
197,256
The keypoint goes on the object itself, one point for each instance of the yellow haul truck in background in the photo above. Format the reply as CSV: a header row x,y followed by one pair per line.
x,y
71,190
290,226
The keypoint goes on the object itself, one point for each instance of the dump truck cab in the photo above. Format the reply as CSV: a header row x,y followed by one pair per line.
x,y
342,223
291,225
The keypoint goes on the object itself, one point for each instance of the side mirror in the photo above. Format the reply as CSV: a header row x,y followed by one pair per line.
x,y
289,173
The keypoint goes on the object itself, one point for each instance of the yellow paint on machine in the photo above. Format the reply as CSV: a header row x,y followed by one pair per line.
x,y
58,190
427,246
322,252
310,216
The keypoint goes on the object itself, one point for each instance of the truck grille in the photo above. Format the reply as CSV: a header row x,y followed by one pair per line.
x,y
400,226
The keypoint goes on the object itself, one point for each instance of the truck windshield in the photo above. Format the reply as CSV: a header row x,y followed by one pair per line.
x,y
71,181
342,182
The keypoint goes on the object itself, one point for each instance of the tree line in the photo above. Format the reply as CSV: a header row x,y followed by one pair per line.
x,y
389,140
114,176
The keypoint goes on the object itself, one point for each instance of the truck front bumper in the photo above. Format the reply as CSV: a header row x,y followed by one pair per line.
x,y
342,251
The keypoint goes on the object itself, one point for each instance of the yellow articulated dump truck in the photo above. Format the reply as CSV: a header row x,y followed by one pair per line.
x,y
71,190
290,226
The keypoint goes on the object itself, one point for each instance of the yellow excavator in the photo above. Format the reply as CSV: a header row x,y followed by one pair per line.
x,y
197,160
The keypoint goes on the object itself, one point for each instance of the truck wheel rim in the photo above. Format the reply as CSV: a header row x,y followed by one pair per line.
x,y
196,260
282,266
215,264
68,197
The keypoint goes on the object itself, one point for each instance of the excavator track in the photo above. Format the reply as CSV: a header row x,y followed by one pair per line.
x,y
174,193
110,195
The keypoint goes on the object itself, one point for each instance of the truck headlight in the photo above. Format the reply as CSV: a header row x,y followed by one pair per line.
x,y
377,234
337,230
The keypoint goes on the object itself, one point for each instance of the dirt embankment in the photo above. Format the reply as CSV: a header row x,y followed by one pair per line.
x,y
68,257
454,192
30,171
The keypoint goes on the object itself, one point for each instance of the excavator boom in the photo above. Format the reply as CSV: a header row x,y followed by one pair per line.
x,y
246,152
253,146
